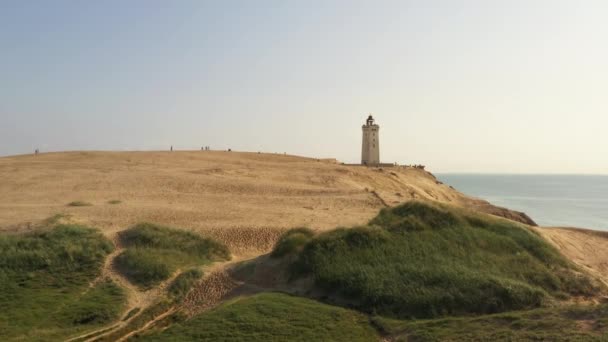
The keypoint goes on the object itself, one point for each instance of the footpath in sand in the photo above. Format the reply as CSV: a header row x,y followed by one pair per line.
x,y
210,291
137,299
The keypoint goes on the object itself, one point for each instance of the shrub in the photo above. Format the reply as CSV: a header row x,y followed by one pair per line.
x,y
142,266
292,241
114,202
416,215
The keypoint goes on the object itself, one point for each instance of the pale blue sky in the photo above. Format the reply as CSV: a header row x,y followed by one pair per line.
x,y
460,86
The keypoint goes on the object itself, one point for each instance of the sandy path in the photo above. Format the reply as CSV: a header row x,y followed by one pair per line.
x,y
148,324
587,248
136,298
212,288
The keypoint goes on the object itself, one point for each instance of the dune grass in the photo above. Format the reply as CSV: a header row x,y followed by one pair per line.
x,y
292,242
55,219
426,260
271,317
183,282
154,252
280,317
79,204
143,317
44,284
114,202
574,323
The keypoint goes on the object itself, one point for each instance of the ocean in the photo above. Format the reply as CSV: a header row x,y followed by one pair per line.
x,y
550,200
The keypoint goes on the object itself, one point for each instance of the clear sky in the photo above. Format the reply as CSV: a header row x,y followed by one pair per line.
x,y
460,86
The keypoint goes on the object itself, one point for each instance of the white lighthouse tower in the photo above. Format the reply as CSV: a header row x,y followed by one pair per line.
x,y
370,150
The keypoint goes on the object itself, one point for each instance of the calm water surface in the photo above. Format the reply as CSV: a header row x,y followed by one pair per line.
x,y
551,200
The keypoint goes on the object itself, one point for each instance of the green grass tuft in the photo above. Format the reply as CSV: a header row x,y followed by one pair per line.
x,y
292,242
146,267
183,282
79,204
114,202
154,252
425,260
271,317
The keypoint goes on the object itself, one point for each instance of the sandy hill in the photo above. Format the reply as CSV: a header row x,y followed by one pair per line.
x,y
244,199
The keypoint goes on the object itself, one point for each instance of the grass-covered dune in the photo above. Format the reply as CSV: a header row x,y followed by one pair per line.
x,y
427,260
154,252
569,323
45,277
271,317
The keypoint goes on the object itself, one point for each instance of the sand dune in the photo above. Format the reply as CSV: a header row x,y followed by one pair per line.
x,y
587,248
245,200
226,194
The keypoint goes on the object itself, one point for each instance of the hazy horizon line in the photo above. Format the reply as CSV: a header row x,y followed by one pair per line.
x,y
427,168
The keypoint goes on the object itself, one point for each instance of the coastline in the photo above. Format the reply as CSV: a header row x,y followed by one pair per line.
x,y
551,200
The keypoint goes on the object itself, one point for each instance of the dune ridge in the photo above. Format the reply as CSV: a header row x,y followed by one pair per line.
x,y
229,195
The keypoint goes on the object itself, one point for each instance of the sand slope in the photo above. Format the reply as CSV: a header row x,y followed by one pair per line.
x,y
587,248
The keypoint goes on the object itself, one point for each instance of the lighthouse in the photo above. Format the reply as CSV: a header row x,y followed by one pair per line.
x,y
370,150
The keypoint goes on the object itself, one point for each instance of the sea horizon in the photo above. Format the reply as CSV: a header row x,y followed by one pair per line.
x,y
555,200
